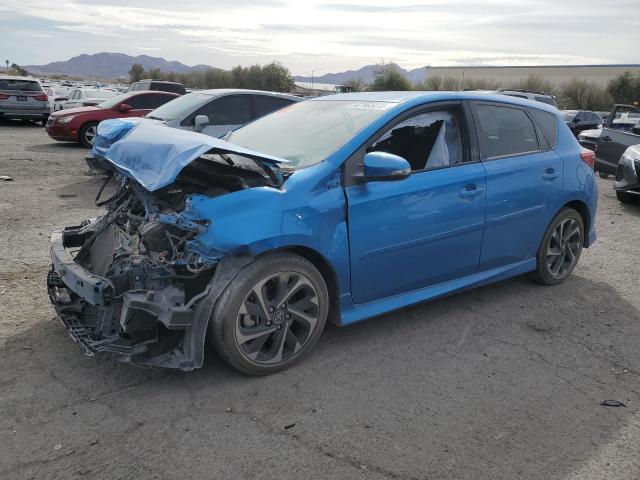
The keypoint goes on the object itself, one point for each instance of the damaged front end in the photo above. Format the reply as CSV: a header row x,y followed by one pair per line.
x,y
137,282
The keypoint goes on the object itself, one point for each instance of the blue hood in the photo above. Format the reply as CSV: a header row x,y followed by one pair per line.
x,y
112,130
153,154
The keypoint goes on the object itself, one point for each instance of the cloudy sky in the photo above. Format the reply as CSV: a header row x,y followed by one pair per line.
x,y
326,35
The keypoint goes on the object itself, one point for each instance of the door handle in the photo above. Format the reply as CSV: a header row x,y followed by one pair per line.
x,y
606,138
470,191
550,174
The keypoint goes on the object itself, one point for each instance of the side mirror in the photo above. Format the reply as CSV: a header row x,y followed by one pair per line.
x,y
200,121
384,167
124,107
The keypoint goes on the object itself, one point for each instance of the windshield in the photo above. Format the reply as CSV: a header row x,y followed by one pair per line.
x,y
308,132
112,102
569,116
179,106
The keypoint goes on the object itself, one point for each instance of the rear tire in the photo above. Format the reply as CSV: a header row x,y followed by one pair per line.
x,y
271,315
624,197
88,134
560,248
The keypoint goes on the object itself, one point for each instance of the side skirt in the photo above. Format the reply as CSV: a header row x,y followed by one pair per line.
x,y
352,313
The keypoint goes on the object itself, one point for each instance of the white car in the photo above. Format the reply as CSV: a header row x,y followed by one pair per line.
x,y
57,94
84,97
218,111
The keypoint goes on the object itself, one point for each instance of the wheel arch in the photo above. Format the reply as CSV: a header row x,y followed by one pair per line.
x,y
582,208
326,270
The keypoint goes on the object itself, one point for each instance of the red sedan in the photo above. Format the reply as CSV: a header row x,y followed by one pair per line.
x,y
80,124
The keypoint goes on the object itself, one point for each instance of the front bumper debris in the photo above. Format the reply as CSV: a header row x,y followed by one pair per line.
x,y
148,327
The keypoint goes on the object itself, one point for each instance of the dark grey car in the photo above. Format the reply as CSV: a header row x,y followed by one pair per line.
x,y
23,98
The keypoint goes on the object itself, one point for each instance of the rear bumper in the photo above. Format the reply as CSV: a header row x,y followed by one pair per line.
x,y
13,114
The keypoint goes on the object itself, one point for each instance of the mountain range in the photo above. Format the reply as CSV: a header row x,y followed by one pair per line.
x,y
108,65
114,65
366,74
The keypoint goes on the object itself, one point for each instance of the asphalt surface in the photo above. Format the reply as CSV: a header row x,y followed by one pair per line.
x,y
502,382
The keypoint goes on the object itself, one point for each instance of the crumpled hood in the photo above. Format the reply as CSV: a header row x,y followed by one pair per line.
x,y
112,130
153,154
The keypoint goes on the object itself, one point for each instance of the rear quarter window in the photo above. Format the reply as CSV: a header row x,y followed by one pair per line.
x,y
547,100
547,124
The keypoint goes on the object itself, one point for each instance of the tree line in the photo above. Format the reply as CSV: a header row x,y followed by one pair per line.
x,y
573,94
273,77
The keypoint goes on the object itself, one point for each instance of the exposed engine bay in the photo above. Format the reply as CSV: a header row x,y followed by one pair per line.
x,y
136,282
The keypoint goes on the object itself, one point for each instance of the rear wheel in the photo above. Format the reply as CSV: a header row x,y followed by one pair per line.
x,y
88,134
625,197
271,315
560,248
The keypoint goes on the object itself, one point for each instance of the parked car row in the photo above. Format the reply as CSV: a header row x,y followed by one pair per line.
x,y
254,242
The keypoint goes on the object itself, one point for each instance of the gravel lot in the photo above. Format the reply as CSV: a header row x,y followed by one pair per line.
x,y
501,382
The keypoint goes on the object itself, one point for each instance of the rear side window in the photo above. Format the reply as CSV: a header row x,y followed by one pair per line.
x,y
547,100
547,125
20,85
265,104
504,131
168,87
148,102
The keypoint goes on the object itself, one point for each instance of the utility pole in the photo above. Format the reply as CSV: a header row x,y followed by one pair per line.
x,y
7,62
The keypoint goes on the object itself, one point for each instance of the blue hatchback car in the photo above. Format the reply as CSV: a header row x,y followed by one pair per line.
x,y
339,208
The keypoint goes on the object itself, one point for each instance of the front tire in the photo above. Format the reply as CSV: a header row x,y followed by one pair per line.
x,y
271,315
88,134
625,197
560,248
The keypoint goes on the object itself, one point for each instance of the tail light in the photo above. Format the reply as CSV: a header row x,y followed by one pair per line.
x,y
588,157
42,97
3,96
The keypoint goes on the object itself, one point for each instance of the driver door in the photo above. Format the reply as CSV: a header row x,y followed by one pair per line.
x,y
426,229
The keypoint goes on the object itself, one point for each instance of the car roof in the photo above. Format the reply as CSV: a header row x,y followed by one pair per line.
x,y
227,91
157,81
139,92
419,97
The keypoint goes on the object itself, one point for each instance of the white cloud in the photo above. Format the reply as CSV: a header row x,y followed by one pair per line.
x,y
333,36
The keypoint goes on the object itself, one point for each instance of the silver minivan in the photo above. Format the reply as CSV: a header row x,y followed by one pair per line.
x,y
218,111
22,98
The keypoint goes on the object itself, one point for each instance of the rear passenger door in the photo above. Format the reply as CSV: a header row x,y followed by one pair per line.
x,y
524,180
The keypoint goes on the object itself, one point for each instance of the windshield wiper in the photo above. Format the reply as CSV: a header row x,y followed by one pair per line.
x,y
155,118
